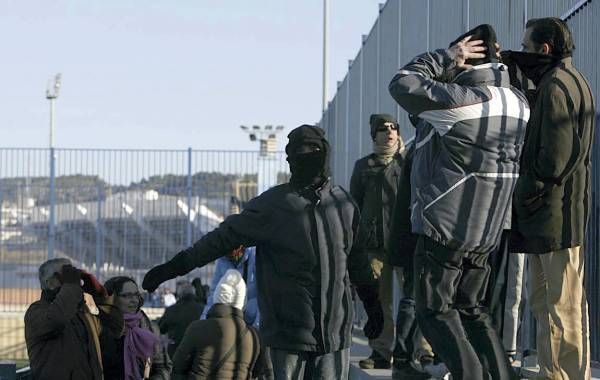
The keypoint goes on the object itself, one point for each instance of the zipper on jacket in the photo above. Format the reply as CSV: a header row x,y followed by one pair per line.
x,y
314,237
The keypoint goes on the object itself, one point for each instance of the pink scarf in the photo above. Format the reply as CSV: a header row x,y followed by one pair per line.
x,y
139,344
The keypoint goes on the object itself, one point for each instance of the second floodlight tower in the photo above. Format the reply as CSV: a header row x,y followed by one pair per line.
x,y
267,162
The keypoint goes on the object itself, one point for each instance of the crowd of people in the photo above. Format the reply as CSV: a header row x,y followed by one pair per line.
x,y
498,174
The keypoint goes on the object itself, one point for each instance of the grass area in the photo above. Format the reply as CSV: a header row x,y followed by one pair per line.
x,y
21,363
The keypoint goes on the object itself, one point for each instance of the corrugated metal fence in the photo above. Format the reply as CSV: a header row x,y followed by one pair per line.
x,y
112,212
406,28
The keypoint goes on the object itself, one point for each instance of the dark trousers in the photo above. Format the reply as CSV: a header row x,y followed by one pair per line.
x,y
291,365
409,343
450,287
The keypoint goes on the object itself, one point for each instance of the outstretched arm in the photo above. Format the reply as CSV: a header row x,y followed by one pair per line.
x,y
248,228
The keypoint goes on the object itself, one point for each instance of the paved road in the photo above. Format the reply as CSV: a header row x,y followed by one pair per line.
x,y
360,350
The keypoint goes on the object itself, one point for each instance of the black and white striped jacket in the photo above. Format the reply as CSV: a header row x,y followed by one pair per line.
x,y
467,148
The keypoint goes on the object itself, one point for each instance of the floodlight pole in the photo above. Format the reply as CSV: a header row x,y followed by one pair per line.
x,y
51,94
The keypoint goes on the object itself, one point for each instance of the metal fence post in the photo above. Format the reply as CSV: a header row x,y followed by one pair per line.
x,y
99,235
189,198
1,240
51,216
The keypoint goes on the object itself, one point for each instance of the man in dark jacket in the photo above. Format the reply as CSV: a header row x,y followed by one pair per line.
x,y
179,316
303,232
61,330
466,163
373,186
552,197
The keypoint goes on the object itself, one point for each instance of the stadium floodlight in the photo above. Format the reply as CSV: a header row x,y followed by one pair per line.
x,y
266,136
52,92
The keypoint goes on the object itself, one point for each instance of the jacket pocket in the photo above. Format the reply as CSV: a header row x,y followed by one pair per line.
x,y
530,195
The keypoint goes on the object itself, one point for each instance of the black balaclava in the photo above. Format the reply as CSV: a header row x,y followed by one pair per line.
x,y
308,169
532,65
378,119
487,34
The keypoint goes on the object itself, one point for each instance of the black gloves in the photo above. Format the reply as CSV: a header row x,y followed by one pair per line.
x,y
69,275
157,276
369,295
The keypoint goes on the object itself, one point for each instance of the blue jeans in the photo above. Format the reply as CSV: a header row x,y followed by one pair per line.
x,y
303,365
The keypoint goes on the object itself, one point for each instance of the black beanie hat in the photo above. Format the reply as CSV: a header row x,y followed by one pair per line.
x,y
306,135
378,119
487,34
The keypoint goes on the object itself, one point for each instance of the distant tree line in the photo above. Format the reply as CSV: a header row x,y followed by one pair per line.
x,y
85,188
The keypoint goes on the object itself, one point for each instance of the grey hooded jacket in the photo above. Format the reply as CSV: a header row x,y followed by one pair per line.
x,y
467,148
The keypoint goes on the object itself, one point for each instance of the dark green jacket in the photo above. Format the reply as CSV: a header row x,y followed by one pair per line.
x,y
373,186
552,196
206,343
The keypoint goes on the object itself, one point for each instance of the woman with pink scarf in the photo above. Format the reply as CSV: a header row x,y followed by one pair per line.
x,y
135,354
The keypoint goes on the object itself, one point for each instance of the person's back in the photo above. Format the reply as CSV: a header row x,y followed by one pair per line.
x,y
178,317
223,346
466,163
467,151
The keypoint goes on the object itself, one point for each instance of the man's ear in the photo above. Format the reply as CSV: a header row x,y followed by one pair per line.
x,y
546,49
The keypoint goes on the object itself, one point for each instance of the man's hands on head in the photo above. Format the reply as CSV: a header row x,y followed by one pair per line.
x,y
466,49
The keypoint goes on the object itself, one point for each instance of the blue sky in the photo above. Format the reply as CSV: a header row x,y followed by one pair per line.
x,y
169,74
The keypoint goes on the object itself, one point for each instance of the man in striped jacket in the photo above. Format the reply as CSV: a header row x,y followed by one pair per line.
x,y
466,163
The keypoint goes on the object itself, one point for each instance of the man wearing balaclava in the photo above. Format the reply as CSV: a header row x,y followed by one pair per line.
x,y
373,186
465,166
303,232
552,196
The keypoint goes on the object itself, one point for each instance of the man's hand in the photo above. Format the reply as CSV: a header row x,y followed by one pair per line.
x,y
157,276
466,49
91,285
69,275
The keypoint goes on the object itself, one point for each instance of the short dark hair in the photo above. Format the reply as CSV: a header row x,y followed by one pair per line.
x,y
554,32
